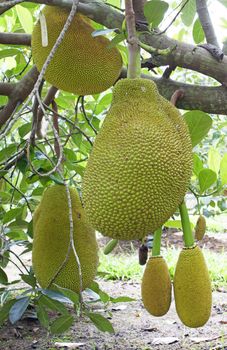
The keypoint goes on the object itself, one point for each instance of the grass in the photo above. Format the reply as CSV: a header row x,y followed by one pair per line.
x,y
126,266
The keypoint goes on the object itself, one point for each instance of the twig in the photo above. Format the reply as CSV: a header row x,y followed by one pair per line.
x,y
56,126
86,117
174,19
134,65
10,3
178,94
47,101
15,39
19,191
204,17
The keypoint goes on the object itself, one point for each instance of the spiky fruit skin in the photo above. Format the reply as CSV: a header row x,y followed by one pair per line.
x,y
82,64
51,241
192,288
156,287
200,228
140,165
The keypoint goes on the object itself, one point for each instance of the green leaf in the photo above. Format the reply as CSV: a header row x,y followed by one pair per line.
x,y
24,129
122,299
12,214
6,152
199,123
4,311
59,296
9,52
223,169
207,177
110,246
103,32
175,224
3,277
154,11
42,314
53,304
214,160
29,279
73,296
61,324
25,18
188,12
197,32
18,309
197,164
116,40
101,322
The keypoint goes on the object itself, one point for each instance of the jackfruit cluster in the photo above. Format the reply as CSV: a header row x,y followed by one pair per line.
x,y
82,64
200,228
192,288
156,286
52,238
140,165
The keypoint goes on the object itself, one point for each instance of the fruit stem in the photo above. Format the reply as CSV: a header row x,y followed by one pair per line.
x,y
134,64
186,225
157,242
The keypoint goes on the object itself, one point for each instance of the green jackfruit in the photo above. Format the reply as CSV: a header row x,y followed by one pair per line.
x,y
140,165
51,241
192,288
82,64
200,228
156,287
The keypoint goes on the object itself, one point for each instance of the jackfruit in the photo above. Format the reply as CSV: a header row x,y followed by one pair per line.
x,y
51,241
200,228
82,64
140,165
192,288
156,286
110,246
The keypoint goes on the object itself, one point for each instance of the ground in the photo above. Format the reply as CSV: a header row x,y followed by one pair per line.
x,y
134,328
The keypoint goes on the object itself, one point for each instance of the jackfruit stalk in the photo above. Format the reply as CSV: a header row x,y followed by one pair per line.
x,y
82,64
52,236
140,165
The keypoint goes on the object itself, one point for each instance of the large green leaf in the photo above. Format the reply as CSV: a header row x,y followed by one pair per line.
x,y
3,277
223,169
214,160
197,164
188,12
42,314
207,178
61,324
199,123
101,322
12,214
154,11
25,18
197,32
18,309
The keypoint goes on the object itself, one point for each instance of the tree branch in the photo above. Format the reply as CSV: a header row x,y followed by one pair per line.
x,y
6,88
210,99
19,94
204,17
15,39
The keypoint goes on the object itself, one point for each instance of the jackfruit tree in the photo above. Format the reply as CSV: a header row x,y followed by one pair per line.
x,y
109,119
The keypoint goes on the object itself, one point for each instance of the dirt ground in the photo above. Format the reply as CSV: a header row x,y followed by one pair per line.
x,y
134,328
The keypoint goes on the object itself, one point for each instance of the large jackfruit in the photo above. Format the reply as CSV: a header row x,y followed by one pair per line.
x,y
51,241
192,288
82,64
140,165
200,228
156,287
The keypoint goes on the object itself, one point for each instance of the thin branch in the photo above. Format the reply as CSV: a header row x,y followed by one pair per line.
x,y
206,22
133,42
19,191
15,39
46,102
86,117
174,18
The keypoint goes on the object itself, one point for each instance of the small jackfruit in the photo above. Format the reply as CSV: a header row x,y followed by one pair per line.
x,y
140,165
110,246
82,64
51,241
200,228
192,288
156,286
